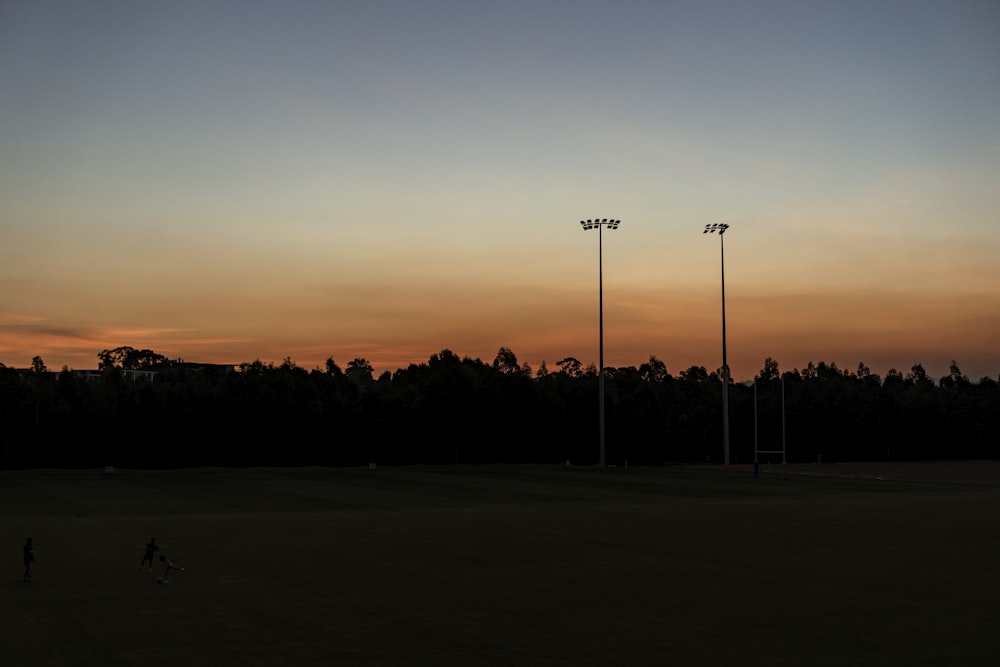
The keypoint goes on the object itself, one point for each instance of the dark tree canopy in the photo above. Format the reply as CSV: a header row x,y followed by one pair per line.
x,y
455,409
129,358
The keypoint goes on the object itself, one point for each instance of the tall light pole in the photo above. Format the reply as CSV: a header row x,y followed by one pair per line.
x,y
599,223
721,229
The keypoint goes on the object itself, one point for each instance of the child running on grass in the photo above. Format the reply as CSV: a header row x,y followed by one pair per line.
x,y
169,565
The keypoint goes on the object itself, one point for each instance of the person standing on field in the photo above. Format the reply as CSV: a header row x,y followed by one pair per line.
x,y
29,559
151,549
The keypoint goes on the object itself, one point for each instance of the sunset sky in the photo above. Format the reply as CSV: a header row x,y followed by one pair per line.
x,y
229,181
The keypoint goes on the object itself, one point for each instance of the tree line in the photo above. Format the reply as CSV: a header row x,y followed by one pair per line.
x,y
145,411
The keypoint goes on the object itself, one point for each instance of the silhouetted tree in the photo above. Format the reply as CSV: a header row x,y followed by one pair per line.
x,y
360,371
38,366
506,361
129,358
571,366
770,371
654,371
332,368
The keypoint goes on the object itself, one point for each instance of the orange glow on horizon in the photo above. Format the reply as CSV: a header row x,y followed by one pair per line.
x,y
878,330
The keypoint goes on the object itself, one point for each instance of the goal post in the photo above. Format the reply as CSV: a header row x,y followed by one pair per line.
x,y
757,451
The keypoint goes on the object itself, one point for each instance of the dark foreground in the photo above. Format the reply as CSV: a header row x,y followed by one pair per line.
x,y
500,566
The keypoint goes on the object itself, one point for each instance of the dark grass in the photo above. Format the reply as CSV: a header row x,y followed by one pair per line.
x,y
499,566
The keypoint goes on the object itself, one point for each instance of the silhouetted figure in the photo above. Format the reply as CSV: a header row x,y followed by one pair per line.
x,y
29,559
151,549
169,565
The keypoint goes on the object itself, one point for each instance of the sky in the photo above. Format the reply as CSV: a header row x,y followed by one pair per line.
x,y
386,179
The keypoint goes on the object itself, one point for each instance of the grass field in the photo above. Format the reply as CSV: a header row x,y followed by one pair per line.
x,y
499,566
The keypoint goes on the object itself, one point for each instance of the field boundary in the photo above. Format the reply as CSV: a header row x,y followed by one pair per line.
x,y
975,473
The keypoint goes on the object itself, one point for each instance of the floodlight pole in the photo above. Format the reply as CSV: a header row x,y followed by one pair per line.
x,y
591,224
721,229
